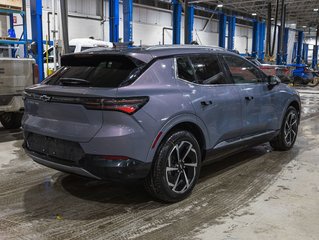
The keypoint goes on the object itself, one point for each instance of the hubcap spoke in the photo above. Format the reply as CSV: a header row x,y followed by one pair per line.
x,y
177,181
186,179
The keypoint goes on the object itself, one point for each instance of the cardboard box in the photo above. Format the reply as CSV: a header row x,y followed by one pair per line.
x,y
17,4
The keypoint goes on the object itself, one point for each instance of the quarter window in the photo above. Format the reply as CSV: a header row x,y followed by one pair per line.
x,y
184,69
207,69
242,71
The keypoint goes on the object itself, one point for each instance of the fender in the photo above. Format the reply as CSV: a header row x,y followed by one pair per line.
x,y
171,123
293,98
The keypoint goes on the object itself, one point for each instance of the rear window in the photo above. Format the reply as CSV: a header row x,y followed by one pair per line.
x,y
96,71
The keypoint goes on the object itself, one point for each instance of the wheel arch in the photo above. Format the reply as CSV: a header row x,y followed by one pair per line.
x,y
190,123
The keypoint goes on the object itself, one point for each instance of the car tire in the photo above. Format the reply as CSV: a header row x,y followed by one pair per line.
x,y
176,167
11,120
288,131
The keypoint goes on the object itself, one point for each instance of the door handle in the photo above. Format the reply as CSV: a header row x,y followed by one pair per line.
x,y
206,103
249,98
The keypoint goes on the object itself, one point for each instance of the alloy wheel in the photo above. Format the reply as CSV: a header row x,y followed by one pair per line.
x,y
181,167
290,129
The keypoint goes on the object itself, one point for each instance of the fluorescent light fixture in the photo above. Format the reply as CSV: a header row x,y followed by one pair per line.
x,y
304,26
254,14
315,9
272,19
220,5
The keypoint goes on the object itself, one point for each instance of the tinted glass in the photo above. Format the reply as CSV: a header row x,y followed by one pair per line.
x,y
184,69
95,71
242,71
72,49
207,69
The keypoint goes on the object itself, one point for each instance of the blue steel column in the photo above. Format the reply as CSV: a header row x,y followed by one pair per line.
x,y
231,32
114,20
305,49
25,29
299,48
127,20
255,38
222,30
190,24
285,53
37,34
294,52
12,33
315,57
177,19
261,44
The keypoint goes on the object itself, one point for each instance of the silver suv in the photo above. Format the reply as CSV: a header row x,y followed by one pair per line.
x,y
156,114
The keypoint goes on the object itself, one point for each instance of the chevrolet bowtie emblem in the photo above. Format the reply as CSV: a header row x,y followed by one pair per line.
x,y
45,98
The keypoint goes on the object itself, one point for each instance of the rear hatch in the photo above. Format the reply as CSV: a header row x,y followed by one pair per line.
x,y
67,105
15,75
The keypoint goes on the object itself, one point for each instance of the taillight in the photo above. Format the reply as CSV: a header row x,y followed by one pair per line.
x,y
35,73
126,105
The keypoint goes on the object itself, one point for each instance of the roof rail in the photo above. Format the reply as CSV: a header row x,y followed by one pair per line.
x,y
187,46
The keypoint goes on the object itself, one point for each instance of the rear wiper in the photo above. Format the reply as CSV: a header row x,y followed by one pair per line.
x,y
73,81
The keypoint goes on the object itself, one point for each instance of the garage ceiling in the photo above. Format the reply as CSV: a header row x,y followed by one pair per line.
x,y
299,12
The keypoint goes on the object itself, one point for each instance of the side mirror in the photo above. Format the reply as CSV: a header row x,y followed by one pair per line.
x,y
273,81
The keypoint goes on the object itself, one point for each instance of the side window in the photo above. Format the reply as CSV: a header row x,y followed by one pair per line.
x,y
184,69
242,71
207,69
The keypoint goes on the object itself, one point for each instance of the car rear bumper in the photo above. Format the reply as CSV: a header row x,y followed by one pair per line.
x,y
116,170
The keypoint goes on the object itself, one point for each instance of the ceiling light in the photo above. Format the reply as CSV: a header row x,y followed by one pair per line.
x,y
254,14
304,26
272,19
220,5
316,9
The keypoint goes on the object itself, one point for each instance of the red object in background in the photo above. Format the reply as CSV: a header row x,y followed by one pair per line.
x,y
15,19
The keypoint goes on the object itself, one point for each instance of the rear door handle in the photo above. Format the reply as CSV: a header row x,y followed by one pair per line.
x,y
206,103
249,98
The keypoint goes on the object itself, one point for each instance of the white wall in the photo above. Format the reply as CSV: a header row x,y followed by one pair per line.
x,y
147,25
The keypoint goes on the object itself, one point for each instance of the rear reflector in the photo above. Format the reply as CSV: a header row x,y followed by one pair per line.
x,y
156,139
110,157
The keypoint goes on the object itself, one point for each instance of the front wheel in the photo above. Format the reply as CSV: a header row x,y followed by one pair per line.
x,y
11,120
176,167
288,132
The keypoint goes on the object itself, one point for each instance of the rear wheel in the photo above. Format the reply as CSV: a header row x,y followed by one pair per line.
x,y
288,132
176,167
11,120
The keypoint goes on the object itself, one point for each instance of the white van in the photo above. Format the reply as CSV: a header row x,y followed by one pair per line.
x,y
75,45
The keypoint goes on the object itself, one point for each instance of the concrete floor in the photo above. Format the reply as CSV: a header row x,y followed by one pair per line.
x,y
257,194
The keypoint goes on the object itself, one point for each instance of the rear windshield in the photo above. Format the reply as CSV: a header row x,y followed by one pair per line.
x,y
96,71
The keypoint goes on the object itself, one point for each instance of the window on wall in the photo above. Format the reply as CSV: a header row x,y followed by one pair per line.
x,y
242,71
207,69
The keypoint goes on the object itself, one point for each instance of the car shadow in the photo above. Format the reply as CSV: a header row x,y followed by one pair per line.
x,y
10,135
79,198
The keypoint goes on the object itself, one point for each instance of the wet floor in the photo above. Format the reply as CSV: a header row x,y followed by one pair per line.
x,y
40,203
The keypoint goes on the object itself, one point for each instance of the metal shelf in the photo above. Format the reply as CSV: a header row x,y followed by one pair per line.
x,y
23,38
9,42
11,11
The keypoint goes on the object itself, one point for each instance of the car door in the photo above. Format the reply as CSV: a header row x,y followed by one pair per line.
x,y
258,100
215,101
